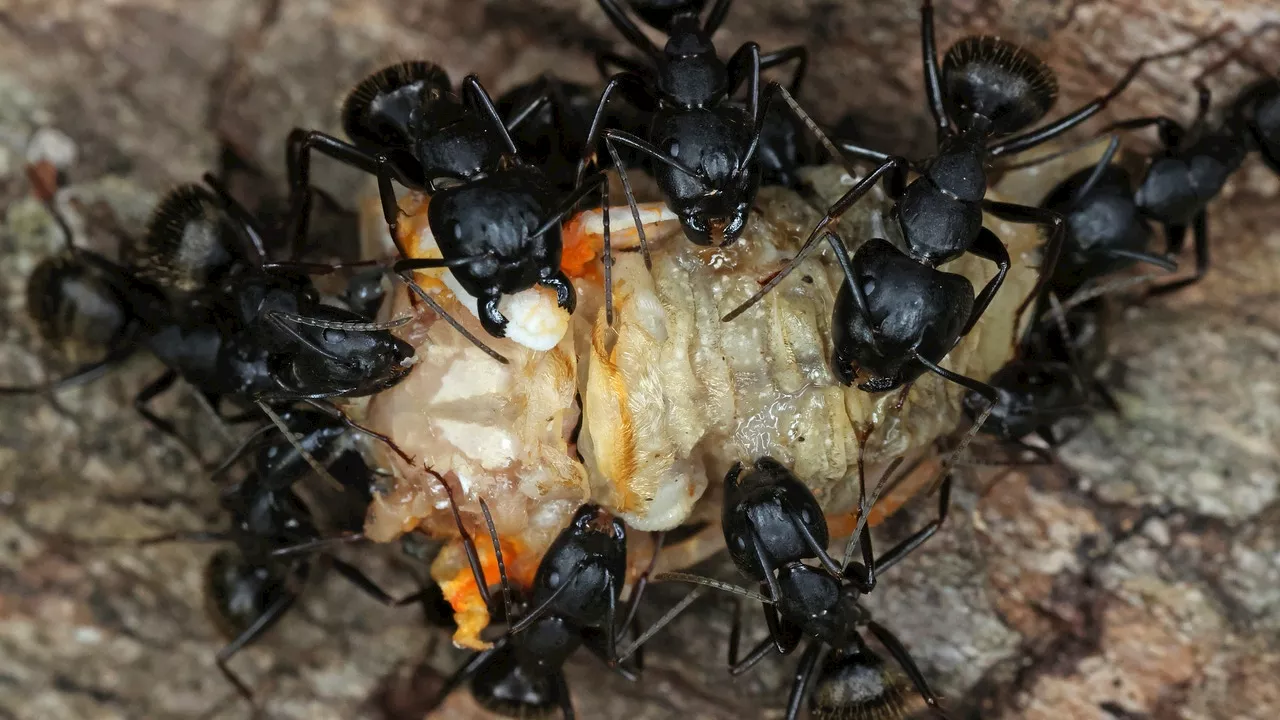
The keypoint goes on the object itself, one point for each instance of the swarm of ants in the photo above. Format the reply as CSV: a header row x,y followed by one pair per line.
x,y
255,336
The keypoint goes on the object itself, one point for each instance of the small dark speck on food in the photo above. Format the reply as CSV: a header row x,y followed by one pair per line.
x,y
808,279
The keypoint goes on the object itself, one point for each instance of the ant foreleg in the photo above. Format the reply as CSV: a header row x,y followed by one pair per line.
x,y
910,544
988,247
474,92
747,60
806,674
1027,215
1201,237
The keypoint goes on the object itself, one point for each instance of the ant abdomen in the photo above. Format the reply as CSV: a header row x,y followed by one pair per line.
x,y
188,244
382,111
239,591
857,684
996,83
508,688
73,303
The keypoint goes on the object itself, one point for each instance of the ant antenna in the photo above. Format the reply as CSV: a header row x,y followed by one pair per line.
x,y
407,278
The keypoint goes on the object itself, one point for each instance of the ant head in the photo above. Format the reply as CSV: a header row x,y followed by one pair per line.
x,y
510,688
1031,395
660,14
339,348
909,308
384,109
188,244
73,301
591,555
239,592
769,505
992,82
856,682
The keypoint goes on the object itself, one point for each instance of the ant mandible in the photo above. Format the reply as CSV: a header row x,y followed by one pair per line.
x,y
495,217
701,145
573,602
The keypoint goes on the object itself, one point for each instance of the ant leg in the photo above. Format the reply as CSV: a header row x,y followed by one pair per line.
x,y
895,165
1032,138
642,582
932,71
798,53
621,62
629,29
764,647
468,545
82,375
747,60
1201,235
244,223
909,545
1098,170
987,246
336,413
356,577
1027,215
566,700
716,17
981,388
806,673
298,149
474,92
476,663
255,630
903,658
149,393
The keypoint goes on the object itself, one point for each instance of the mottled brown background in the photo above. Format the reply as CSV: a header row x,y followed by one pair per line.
x,y
1149,586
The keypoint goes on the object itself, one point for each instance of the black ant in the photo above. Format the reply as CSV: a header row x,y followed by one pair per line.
x,y
573,602
772,523
701,146
495,217
1109,216
892,319
259,332
253,585
1052,378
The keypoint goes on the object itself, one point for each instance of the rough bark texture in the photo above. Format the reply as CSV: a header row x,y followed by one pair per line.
x,y
1145,585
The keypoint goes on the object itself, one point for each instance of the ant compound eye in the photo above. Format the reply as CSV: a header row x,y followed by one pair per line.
x,y
674,148
741,542
805,516
332,335
868,287
553,580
